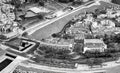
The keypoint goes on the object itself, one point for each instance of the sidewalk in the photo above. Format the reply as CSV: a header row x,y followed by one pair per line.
x,y
82,68
105,66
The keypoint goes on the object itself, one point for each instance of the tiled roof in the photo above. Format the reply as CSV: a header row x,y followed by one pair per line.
x,y
94,45
93,41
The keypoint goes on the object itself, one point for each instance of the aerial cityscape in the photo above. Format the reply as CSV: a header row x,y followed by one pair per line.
x,y
59,36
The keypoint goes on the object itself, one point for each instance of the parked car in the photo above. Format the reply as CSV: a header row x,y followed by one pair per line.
x,y
50,16
68,8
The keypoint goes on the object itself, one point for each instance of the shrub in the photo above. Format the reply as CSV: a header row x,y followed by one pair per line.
x,y
24,34
78,47
2,37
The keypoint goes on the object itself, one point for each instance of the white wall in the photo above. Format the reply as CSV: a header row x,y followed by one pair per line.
x,y
104,0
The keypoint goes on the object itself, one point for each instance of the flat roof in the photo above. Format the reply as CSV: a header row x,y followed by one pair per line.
x,y
38,9
93,41
94,45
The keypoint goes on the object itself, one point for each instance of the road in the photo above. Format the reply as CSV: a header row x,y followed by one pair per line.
x,y
47,22
10,68
81,69
54,69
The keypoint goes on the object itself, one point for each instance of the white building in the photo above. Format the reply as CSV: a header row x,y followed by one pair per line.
x,y
94,45
39,10
108,23
104,0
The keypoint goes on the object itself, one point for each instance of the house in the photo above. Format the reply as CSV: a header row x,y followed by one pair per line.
x,y
39,10
36,11
94,45
107,23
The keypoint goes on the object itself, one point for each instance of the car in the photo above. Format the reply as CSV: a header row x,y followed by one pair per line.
x,y
51,16
68,8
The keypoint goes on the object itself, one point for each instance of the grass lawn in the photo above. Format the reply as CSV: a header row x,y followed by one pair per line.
x,y
58,25
14,43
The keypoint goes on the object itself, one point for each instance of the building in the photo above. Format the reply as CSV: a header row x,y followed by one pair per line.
x,y
107,23
39,10
94,45
105,0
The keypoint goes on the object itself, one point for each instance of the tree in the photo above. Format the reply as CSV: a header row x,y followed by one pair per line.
x,y
16,3
97,11
41,3
56,35
89,36
95,61
78,47
24,34
77,2
106,39
90,62
98,61
2,37
40,16
67,36
117,38
65,1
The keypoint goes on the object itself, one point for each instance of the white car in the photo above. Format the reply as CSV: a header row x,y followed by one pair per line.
x,y
51,16
68,8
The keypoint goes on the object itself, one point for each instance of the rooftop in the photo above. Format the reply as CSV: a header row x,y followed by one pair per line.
x,y
93,41
94,45
38,10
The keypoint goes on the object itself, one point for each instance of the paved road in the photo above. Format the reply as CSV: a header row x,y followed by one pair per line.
x,y
47,22
54,69
82,68
10,68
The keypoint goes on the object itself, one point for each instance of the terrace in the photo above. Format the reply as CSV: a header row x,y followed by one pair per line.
x,y
20,45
